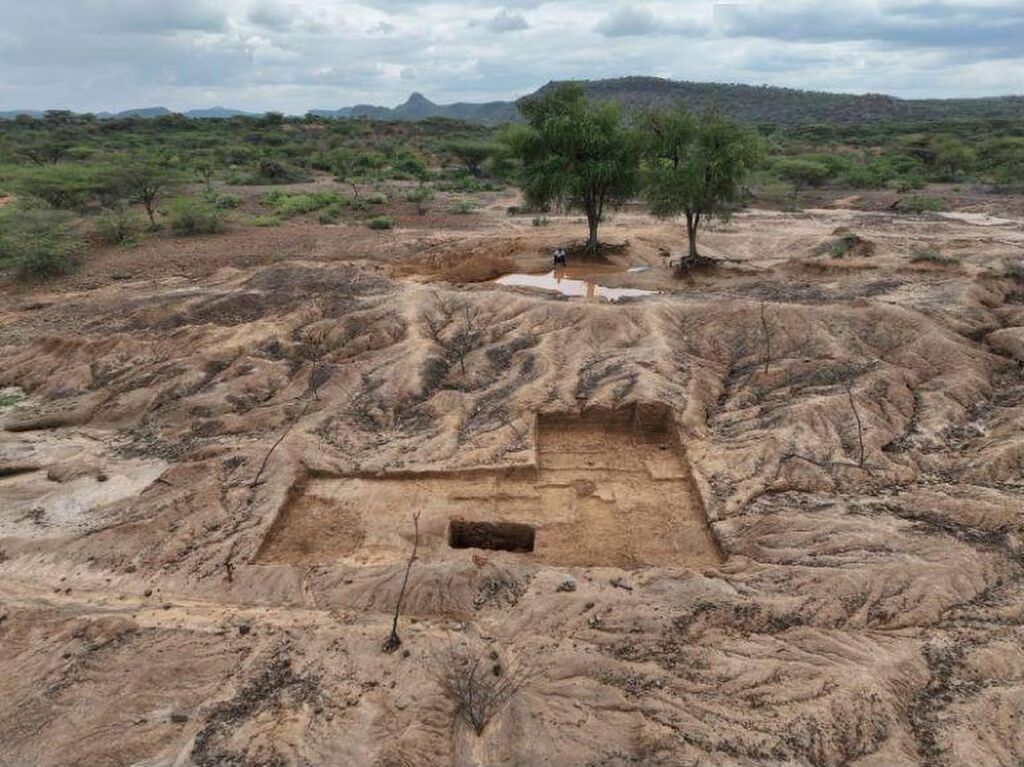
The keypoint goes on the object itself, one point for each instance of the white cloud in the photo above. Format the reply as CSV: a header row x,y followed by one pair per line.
x,y
293,55
504,21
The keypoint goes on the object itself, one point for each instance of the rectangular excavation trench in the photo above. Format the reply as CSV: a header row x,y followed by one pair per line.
x,y
609,489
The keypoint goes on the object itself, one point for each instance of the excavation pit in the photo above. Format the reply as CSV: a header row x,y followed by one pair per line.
x,y
610,488
496,536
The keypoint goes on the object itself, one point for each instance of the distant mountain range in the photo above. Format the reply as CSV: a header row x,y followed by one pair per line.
x,y
419,107
146,112
746,103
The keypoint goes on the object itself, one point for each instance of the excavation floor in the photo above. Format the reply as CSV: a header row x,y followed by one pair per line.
x,y
604,493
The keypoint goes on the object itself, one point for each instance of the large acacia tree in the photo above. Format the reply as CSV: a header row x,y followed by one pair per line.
x,y
577,153
695,166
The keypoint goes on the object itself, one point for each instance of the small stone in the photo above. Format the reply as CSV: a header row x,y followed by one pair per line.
x,y
178,718
147,593
567,585
244,629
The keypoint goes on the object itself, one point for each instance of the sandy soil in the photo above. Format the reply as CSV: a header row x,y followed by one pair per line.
x,y
777,506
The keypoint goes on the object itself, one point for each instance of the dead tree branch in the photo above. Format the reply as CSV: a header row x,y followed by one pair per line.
x,y
860,427
767,339
479,686
393,642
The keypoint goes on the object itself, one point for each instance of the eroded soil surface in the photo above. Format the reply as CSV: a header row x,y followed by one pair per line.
x,y
777,505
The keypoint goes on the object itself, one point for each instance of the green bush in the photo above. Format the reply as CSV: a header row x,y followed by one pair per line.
x,y
118,226
37,243
375,198
462,207
931,255
422,197
329,215
1015,271
66,186
540,221
801,172
226,201
843,245
921,204
193,215
381,222
268,171
263,221
289,205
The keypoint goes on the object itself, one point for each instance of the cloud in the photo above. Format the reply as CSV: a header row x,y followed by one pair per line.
x,y
270,15
637,20
996,27
158,18
504,21
293,55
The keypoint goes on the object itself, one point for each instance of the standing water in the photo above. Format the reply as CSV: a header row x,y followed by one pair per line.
x,y
570,282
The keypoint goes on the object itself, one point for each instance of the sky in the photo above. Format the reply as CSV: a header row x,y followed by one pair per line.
x,y
296,55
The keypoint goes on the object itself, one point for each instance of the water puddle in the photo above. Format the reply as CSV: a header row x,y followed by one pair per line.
x,y
576,282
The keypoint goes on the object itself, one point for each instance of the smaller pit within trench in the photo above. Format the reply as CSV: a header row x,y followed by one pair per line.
x,y
496,536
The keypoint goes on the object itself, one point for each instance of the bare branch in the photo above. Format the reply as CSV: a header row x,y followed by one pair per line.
x,y
393,642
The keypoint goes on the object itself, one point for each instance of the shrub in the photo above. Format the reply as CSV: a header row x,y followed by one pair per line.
x,y
66,186
263,221
850,244
118,226
462,207
193,215
908,182
1015,271
478,685
381,222
801,172
422,196
376,198
931,255
268,171
921,204
540,221
226,201
38,243
289,205
330,214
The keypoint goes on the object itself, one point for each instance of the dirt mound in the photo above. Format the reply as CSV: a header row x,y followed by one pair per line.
x,y
776,510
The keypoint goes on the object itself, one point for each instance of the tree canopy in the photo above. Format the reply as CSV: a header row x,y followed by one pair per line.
x,y
695,166
577,153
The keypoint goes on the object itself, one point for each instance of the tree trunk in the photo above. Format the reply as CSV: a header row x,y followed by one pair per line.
x,y
592,220
691,234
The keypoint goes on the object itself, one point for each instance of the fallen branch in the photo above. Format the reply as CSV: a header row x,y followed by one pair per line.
x,y
860,427
767,339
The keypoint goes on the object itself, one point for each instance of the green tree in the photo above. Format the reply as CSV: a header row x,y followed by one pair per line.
x,y
145,182
343,166
952,157
36,242
695,166
575,152
801,173
472,154
64,185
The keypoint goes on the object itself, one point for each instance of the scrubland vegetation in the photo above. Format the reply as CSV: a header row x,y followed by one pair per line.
x,y
68,180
